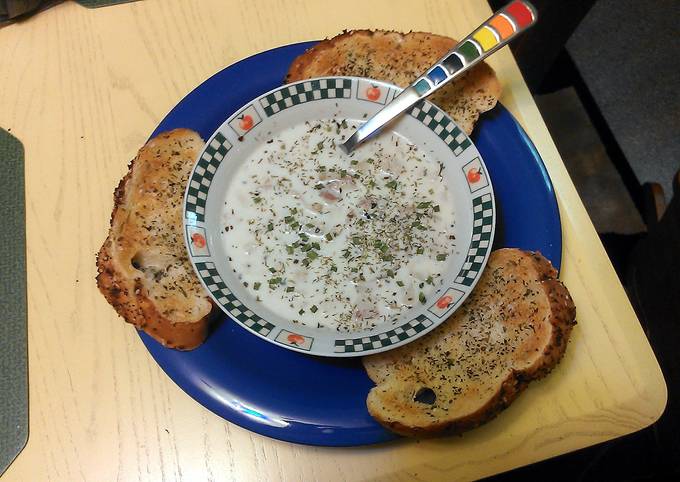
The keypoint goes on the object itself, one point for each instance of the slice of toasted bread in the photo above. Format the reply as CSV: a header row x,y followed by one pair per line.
x,y
400,58
143,268
512,329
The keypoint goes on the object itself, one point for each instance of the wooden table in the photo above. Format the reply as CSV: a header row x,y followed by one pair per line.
x,y
83,89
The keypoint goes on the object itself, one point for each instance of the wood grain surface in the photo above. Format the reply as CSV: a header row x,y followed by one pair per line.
x,y
82,89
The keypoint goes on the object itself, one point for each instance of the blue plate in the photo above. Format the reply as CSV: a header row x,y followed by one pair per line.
x,y
320,401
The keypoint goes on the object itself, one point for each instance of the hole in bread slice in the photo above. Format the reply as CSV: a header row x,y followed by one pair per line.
x,y
425,395
153,265
137,262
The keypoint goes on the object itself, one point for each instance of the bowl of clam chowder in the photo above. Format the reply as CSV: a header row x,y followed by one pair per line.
x,y
333,254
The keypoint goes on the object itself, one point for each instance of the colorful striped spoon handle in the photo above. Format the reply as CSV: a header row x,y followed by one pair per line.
x,y
504,26
496,32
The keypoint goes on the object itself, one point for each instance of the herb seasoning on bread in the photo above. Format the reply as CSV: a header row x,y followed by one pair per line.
x,y
143,268
512,329
400,58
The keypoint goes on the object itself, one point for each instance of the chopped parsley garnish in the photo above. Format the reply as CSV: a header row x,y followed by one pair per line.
x,y
381,245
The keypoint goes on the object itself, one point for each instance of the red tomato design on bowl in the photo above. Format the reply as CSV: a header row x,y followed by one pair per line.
x,y
245,122
373,93
474,175
198,240
444,302
295,339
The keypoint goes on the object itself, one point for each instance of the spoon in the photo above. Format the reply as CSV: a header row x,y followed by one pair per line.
x,y
504,26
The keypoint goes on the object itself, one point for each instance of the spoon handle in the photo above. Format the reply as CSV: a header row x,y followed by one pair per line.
x,y
501,28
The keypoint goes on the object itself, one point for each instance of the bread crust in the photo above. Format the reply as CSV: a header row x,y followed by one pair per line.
x,y
386,400
400,58
146,222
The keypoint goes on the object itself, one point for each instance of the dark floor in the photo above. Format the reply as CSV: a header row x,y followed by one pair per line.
x,y
627,51
599,184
